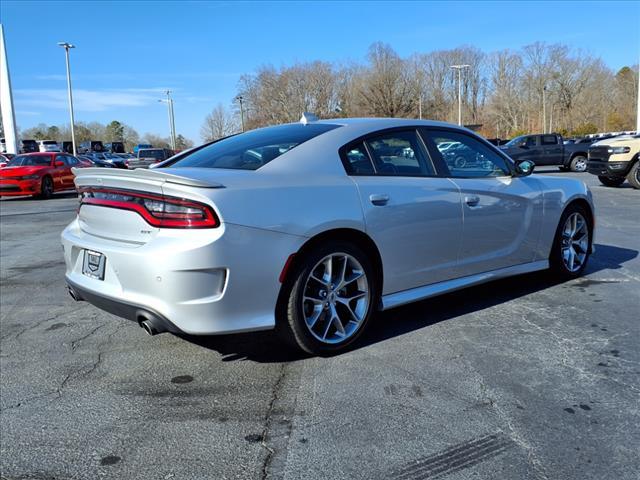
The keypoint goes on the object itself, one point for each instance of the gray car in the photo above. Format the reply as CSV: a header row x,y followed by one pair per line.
x,y
312,227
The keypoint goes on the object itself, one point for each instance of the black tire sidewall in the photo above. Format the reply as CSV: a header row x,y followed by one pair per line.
x,y
555,257
296,330
44,193
632,176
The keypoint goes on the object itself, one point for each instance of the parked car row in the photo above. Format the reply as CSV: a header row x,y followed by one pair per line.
x,y
43,173
39,174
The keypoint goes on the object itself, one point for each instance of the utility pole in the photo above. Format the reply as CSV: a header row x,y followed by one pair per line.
x,y
544,109
638,106
6,101
172,121
66,47
240,98
459,69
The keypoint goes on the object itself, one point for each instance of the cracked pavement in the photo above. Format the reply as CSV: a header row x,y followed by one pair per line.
x,y
524,378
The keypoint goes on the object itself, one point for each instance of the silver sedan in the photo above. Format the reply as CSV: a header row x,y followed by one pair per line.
x,y
312,227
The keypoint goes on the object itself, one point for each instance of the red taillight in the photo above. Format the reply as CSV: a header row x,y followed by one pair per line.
x,y
157,210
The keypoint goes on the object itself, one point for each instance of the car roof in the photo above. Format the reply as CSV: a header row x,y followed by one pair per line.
x,y
377,122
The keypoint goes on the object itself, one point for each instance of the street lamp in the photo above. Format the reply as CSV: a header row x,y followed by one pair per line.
x,y
239,98
459,69
172,120
66,47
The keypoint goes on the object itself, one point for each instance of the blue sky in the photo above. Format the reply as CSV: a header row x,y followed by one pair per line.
x,y
129,52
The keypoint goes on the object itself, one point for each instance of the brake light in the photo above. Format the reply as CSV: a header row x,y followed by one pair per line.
x,y
157,210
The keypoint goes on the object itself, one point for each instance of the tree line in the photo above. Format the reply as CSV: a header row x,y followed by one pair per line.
x,y
505,93
114,131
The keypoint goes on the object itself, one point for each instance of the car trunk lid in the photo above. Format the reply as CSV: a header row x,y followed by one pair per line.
x,y
117,204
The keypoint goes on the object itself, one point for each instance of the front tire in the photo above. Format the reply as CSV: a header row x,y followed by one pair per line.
x,y
611,181
634,175
46,188
330,298
572,244
579,164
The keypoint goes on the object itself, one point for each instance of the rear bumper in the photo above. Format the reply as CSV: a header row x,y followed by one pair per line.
x,y
118,307
200,282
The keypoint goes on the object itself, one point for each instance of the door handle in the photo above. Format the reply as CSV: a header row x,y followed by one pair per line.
x,y
472,200
379,199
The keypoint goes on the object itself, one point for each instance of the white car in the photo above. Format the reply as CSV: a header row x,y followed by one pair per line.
x,y
48,146
312,227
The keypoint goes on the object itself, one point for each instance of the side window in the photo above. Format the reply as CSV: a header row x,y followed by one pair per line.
x,y
549,140
63,159
399,153
530,141
466,157
72,160
357,161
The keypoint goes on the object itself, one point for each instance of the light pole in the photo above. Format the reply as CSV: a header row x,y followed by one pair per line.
x,y
172,120
459,69
240,98
544,109
66,47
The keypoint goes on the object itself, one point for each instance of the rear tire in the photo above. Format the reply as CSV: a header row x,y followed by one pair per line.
x,y
330,297
611,181
572,244
579,163
633,177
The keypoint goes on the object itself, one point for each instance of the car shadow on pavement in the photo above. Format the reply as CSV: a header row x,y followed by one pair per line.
x,y
267,347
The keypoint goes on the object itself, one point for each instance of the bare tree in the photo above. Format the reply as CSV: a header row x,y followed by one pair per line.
x,y
219,123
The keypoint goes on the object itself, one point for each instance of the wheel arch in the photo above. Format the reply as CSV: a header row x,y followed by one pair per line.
x,y
351,235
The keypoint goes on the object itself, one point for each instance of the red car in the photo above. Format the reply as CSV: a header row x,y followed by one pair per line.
x,y
38,174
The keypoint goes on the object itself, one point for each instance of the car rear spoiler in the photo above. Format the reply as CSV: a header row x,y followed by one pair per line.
x,y
144,174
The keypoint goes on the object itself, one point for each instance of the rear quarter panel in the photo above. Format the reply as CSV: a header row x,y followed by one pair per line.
x,y
558,193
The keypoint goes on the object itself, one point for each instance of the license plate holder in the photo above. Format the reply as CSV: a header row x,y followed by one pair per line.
x,y
93,264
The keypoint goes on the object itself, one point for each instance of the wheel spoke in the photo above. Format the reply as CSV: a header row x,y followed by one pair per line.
x,y
328,270
317,311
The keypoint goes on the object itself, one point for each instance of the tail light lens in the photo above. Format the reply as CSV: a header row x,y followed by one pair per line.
x,y
157,210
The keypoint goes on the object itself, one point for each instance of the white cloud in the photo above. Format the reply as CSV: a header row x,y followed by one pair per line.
x,y
87,100
27,113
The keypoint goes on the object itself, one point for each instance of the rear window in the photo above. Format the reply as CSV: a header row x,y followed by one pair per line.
x,y
31,160
49,142
252,150
156,154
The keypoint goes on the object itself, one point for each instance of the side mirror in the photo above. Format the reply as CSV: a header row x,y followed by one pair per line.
x,y
59,163
524,168
523,145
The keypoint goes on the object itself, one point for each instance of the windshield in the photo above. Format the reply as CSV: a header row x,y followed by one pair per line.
x,y
252,150
514,141
31,160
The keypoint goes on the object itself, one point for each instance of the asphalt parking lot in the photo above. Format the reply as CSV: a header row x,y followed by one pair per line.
x,y
524,378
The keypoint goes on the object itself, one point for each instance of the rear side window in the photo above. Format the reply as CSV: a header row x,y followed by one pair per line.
x,y
549,140
398,153
252,150
357,160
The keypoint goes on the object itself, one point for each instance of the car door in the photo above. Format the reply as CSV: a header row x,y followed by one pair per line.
x,y
502,213
552,149
65,172
414,217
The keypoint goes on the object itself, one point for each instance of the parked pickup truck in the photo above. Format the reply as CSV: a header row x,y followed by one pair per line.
x,y
149,156
548,149
615,160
